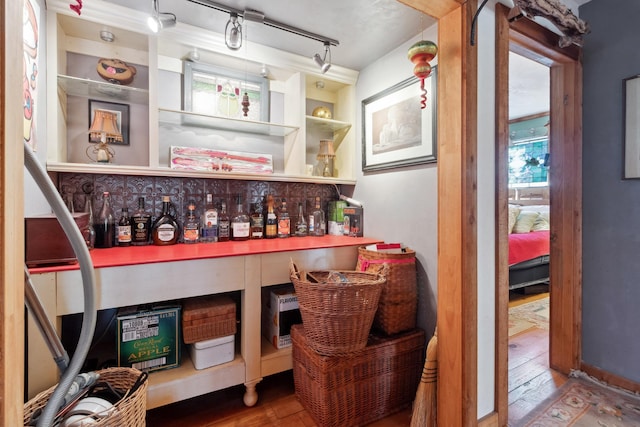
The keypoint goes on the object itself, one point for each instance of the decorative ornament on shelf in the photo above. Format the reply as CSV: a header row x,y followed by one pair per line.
x,y
321,112
420,54
77,7
245,103
116,71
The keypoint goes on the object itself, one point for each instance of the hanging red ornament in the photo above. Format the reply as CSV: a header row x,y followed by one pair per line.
x,y
245,103
420,54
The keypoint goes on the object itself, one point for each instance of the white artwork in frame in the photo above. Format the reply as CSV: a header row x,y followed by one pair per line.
x,y
632,127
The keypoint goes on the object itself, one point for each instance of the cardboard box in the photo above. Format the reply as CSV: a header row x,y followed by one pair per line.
x,y
149,339
280,311
353,221
205,354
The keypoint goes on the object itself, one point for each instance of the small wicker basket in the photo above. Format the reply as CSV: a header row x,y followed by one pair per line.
x,y
397,309
337,308
130,411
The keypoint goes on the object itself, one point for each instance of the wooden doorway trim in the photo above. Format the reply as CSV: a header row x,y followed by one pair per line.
x,y
535,42
11,205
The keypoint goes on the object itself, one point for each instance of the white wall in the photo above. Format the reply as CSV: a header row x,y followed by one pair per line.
x,y
401,204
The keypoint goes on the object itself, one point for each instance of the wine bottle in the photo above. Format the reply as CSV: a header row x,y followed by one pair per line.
x,y
104,224
165,230
271,227
191,229
241,223
209,232
284,221
124,228
224,224
141,225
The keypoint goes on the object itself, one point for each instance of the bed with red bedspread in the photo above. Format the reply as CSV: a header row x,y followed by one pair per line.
x,y
528,259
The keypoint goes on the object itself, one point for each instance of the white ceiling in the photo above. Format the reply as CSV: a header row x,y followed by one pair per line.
x,y
529,87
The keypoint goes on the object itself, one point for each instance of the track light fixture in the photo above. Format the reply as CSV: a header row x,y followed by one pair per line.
x,y
160,20
323,63
233,32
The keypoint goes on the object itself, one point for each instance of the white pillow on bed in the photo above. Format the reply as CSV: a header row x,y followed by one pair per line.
x,y
525,222
514,210
535,208
542,222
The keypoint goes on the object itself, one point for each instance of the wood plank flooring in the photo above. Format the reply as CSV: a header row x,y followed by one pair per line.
x,y
530,382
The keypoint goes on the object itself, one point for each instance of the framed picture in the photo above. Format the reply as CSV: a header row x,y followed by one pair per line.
x,y
632,127
121,112
396,131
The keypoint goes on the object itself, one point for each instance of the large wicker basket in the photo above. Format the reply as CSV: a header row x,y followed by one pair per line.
x,y
337,315
359,388
398,304
130,410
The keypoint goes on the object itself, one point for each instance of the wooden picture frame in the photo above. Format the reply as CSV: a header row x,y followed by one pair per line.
x,y
122,119
632,127
396,131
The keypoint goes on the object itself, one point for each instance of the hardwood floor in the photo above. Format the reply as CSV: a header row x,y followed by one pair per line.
x,y
531,381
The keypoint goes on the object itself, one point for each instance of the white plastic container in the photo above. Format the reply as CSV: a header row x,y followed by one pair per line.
x,y
205,354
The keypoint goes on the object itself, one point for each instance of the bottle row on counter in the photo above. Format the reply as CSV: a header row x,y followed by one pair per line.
x,y
212,225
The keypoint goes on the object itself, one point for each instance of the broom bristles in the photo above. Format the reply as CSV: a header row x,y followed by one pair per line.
x,y
424,406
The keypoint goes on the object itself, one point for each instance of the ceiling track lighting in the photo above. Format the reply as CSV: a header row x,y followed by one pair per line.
x,y
233,32
160,20
257,16
323,63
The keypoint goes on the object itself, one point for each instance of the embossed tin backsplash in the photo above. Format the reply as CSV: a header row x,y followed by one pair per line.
x,y
126,189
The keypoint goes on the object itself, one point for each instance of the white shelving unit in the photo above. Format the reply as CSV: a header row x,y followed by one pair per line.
x,y
290,76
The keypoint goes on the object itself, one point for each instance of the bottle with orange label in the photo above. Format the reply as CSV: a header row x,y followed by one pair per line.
x,y
284,221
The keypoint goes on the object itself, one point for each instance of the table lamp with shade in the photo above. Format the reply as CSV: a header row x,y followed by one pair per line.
x,y
104,128
325,154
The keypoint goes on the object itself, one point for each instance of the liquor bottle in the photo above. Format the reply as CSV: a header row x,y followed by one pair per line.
x,y
284,221
271,227
209,232
191,228
241,223
317,217
165,230
88,232
124,228
141,225
257,221
301,223
104,224
224,224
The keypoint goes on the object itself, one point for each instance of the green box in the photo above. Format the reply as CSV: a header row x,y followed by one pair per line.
x,y
149,339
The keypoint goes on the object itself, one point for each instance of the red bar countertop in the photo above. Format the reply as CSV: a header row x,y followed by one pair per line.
x,y
131,255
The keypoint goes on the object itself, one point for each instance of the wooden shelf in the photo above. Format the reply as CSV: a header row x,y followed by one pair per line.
x,y
185,381
274,360
102,90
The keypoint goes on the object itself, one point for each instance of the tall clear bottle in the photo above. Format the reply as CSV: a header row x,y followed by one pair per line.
x,y
301,223
284,221
209,231
317,219
124,228
241,223
141,225
271,224
224,224
191,228
104,224
165,230
88,232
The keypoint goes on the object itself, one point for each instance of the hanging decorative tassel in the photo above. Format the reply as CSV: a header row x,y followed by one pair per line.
x,y
76,7
420,54
245,103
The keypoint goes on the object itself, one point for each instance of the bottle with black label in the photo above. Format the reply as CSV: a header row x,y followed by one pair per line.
x,y
140,225
257,221
104,224
165,230
124,228
224,224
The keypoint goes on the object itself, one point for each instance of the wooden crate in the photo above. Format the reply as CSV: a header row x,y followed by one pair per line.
x,y
361,387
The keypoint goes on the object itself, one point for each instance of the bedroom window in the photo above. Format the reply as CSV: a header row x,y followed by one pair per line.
x,y
529,163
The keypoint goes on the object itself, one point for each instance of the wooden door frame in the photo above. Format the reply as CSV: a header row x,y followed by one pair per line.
x,y
11,212
565,184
